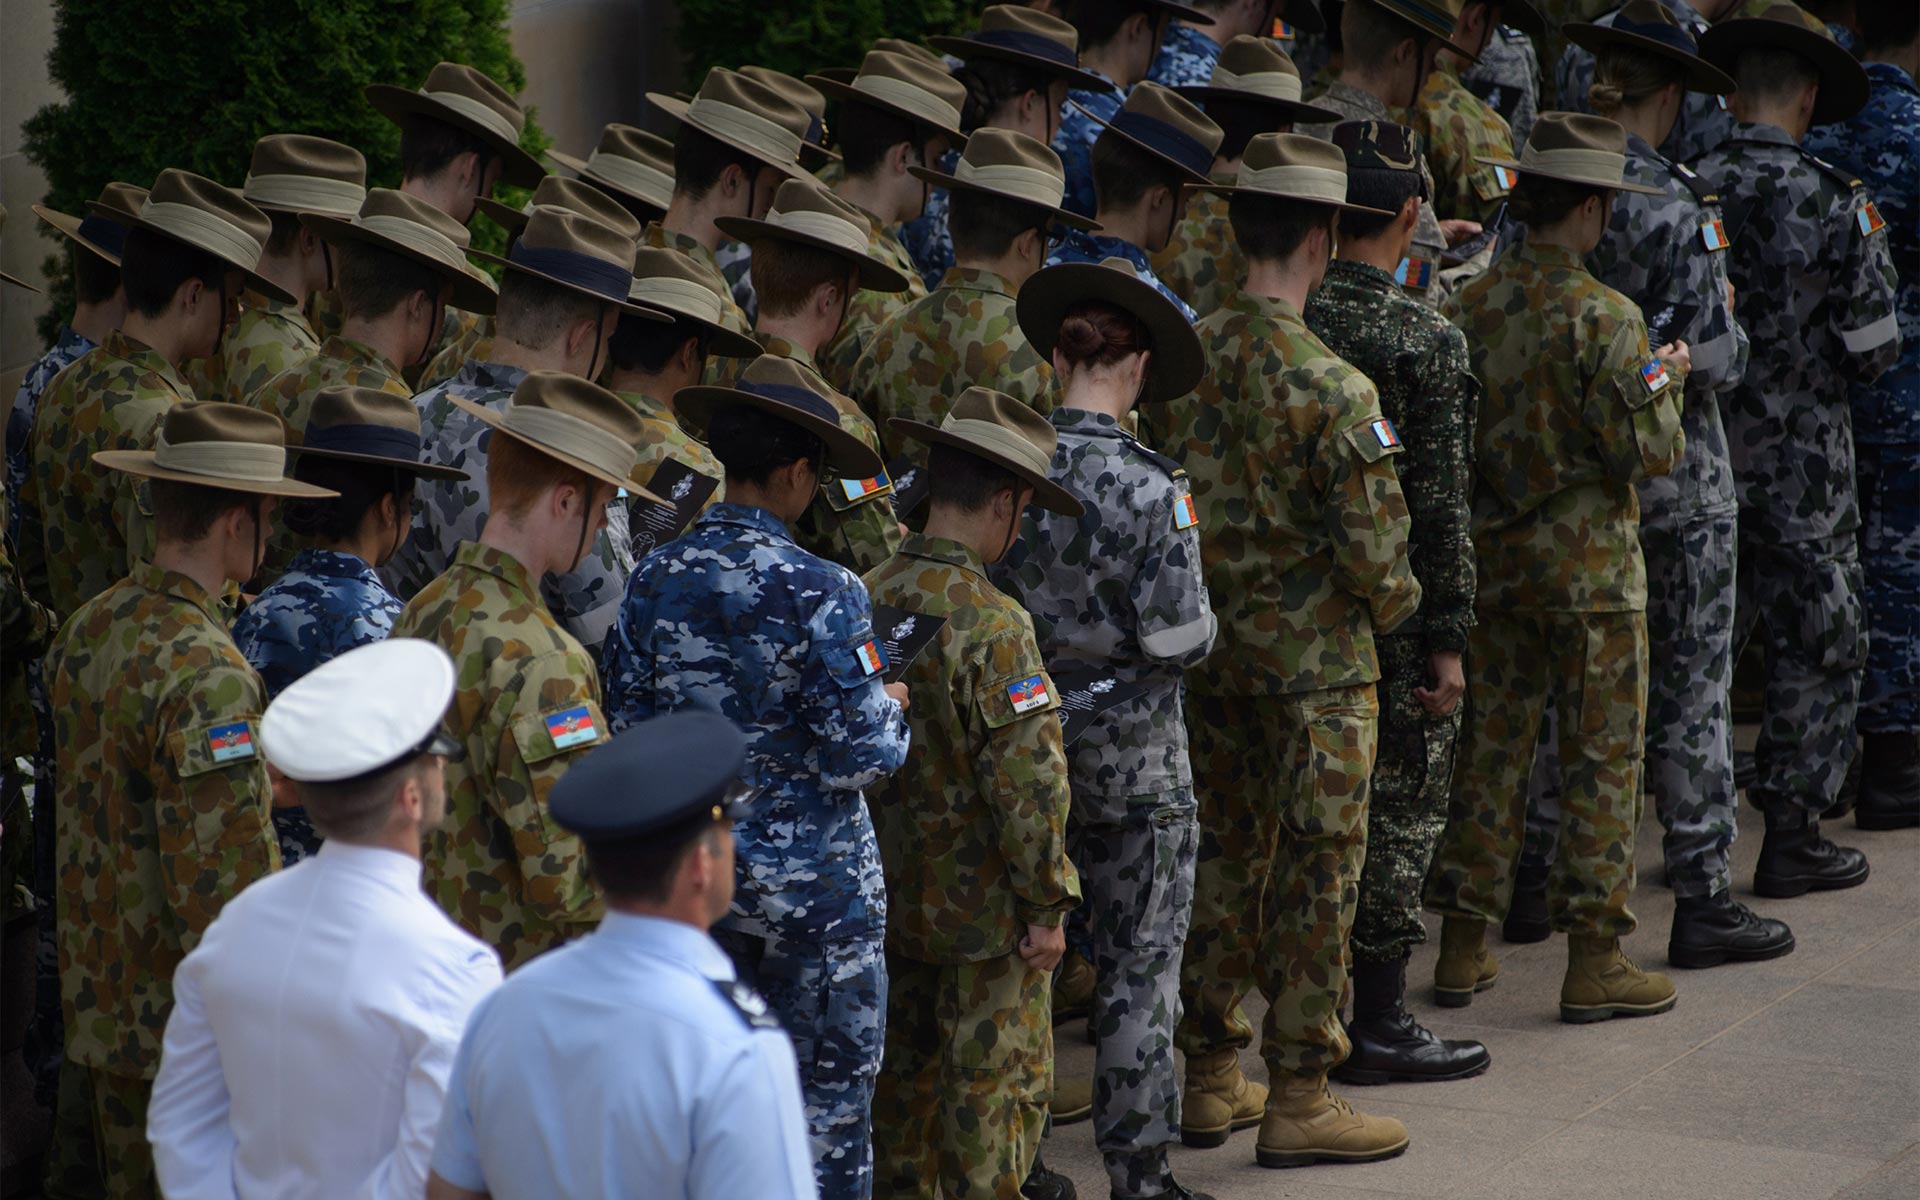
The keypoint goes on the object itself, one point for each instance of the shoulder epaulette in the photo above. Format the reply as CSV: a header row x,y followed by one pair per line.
x,y
1173,469
1830,170
1690,179
747,1002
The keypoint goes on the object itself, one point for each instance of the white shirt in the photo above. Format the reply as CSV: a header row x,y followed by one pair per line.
x,y
312,1032
626,1064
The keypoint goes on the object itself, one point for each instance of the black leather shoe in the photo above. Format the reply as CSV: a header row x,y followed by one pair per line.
x,y
1710,930
1796,860
1389,1046
1527,915
1043,1184
1889,781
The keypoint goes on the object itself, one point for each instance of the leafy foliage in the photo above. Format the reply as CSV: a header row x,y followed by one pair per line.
x,y
808,34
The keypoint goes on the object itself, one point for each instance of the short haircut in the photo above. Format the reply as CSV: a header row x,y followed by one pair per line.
x,y
1369,32
428,147
1123,172
991,82
95,280
519,475
785,274
1097,21
957,479
1537,201
285,237
1385,190
699,160
185,512
1270,228
1884,26
985,226
361,486
751,444
154,266
867,133
645,868
1094,333
358,808
535,312
642,345
373,282
1768,74
1242,121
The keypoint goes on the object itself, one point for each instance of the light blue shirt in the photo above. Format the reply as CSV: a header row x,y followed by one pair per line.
x,y
618,1066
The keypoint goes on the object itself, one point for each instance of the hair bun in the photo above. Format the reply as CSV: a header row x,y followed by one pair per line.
x,y
1079,340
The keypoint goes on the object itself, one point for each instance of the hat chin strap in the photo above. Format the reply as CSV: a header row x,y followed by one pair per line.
x,y
433,332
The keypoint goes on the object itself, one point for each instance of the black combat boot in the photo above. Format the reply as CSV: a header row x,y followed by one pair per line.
x,y
1795,859
1527,914
1710,930
1889,781
1043,1184
1389,1045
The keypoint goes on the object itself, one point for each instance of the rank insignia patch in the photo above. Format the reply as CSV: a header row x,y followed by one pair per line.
x,y
860,489
227,743
1385,433
1870,220
1414,273
574,727
1506,177
1030,693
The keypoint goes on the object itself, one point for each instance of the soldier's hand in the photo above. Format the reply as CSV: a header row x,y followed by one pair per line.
x,y
1729,296
1676,356
1449,684
1457,231
1044,946
899,692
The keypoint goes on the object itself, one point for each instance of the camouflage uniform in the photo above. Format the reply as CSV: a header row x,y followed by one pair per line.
x,y
870,309
1079,246
1303,533
527,706
1458,129
1659,252
1074,141
972,834
665,439
1507,79
1186,58
736,618
1575,410
1881,144
927,240
1704,120
449,512
161,818
326,603
1419,364
661,238
1120,589
66,350
1816,293
327,318
473,343
270,337
1202,263
81,527
734,261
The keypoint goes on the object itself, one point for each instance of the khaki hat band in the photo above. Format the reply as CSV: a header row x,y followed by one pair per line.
x,y
1307,183
415,236
1035,184
997,438
476,112
201,228
903,95
1274,85
682,296
573,437
824,226
306,193
636,177
1603,168
249,462
748,128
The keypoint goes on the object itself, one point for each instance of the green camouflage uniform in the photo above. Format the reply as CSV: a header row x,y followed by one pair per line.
x,y
456,325
527,705
1575,411
1458,128
973,842
1303,531
473,343
961,335
661,238
870,309
664,439
270,336
82,527
1202,262
162,802
1419,364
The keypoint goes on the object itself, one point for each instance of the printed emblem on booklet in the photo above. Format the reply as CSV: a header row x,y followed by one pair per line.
x,y
654,525
1085,694
903,636
910,485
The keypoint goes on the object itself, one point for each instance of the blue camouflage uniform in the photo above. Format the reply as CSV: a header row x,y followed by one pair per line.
x,y
66,349
1881,145
735,618
928,240
327,603
1079,246
1186,58
1078,133
1704,120
448,512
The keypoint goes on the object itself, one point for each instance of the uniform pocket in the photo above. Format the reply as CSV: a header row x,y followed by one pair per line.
x,y
1164,847
1833,615
997,1014
1332,764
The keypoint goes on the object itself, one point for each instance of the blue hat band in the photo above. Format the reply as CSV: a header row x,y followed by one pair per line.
x,y
816,131
1163,138
382,441
110,236
1035,44
570,266
1439,16
794,397
1672,36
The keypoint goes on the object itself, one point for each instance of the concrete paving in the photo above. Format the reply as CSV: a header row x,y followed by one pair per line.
x,y
1795,1079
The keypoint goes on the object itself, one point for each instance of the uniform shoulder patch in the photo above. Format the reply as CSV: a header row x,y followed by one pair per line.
x,y
1847,182
751,1006
1690,180
1414,274
571,727
1870,220
226,743
1714,234
1384,433
870,657
1029,693
1653,374
1185,516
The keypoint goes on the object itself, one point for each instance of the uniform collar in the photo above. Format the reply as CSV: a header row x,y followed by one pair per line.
x,y
1187,39
478,375
648,407
329,564
146,358
395,870
1747,131
1887,73
1084,423
1111,88
977,279
774,344
359,354
751,516
1354,97
943,550
72,342
1100,246
260,302
660,237
1541,254
1361,275
180,587
666,938
1271,307
499,564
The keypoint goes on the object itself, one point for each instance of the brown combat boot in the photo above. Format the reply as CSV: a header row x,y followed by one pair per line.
x,y
1072,1100
1465,965
1073,988
1218,1100
1305,1123
1601,982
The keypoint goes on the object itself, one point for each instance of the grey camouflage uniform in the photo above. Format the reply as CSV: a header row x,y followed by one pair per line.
x,y
1507,77
1120,589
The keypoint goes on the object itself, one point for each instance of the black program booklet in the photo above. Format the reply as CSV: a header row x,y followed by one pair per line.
x,y
685,491
1085,693
910,485
903,636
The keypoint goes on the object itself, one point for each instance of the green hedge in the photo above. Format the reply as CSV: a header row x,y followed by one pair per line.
x,y
808,34
193,83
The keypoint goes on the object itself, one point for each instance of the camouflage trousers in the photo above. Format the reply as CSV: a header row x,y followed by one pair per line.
x,y
831,997
1592,669
1689,757
1135,856
969,1071
1803,601
99,1147
1412,781
1282,788
1889,479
